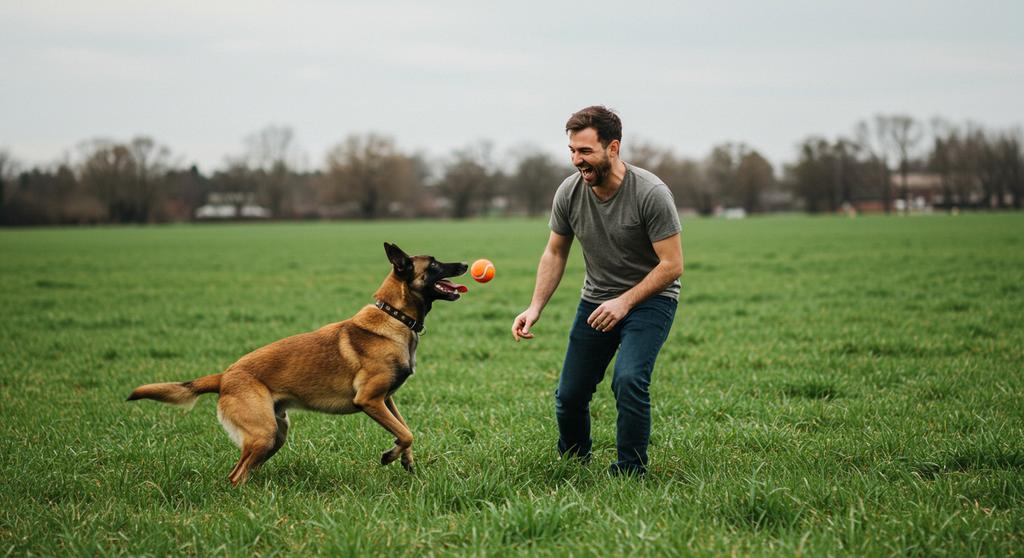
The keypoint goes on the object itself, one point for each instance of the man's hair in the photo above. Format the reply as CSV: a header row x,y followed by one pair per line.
x,y
601,119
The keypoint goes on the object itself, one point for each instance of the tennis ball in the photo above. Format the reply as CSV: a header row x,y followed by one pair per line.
x,y
482,271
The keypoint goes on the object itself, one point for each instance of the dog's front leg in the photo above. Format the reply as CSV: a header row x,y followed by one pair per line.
x,y
407,460
403,437
371,401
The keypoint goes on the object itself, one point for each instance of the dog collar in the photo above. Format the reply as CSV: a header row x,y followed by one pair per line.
x,y
396,314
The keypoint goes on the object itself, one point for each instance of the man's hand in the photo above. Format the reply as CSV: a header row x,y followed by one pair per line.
x,y
608,314
523,322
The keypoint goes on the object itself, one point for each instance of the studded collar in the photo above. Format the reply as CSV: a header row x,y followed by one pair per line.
x,y
400,316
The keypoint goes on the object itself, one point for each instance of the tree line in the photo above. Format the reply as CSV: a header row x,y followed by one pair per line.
x,y
367,176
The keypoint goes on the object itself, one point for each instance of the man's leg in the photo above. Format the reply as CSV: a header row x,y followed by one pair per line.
x,y
643,332
586,360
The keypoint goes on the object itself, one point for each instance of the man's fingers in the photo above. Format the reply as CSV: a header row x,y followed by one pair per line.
x,y
520,334
602,322
521,328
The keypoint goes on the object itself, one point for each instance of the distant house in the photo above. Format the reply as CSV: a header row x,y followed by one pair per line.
x,y
924,191
927,190
231,205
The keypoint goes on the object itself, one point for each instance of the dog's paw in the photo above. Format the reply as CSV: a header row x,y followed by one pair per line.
x,y
407,461
388,457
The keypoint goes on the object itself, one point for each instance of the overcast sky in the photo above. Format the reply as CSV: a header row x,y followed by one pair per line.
x,y
200,76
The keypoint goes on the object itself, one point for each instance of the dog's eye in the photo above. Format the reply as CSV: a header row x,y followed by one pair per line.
x,y
434,266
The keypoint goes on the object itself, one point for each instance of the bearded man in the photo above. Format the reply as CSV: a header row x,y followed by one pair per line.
x,y
626,221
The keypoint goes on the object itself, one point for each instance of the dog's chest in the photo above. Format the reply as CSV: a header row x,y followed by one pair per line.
x,y
412,352
403,371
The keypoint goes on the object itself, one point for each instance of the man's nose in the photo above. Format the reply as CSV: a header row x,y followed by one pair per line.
x,y
576,159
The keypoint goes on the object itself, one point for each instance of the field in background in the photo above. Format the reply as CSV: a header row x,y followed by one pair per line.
x,y
849,386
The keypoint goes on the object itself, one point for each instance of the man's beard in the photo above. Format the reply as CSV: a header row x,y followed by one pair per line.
x,y
600,171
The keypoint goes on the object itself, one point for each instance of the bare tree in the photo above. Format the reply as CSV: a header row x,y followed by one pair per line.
x,y
968,164
1011,157
685,178
998,166
688,179
271,151
645,154
721,168
809,177
829,175
940,160
754,177
152,163
128,178
108,171
902,135
369,171
7,171
536,177
467,181
871,138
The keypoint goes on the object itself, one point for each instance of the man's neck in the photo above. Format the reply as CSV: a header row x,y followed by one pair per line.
x,y
607,188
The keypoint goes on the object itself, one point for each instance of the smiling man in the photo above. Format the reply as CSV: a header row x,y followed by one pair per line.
x,y
628,226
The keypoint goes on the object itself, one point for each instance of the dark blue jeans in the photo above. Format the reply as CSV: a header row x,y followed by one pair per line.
x,y
638,338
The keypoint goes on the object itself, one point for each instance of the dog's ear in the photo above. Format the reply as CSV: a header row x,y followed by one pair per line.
x,y
399,259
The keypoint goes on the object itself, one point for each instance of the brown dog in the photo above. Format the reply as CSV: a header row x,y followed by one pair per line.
x,y
345,367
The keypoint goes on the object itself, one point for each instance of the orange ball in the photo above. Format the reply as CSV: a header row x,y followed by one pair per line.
x,y
482,271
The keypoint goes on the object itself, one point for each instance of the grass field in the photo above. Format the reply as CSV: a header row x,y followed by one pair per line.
x,y
831,386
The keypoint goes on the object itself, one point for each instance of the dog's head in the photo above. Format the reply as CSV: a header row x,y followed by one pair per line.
x,y
425,275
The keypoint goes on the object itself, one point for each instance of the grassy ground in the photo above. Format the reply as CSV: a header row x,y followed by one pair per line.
x,y
831,386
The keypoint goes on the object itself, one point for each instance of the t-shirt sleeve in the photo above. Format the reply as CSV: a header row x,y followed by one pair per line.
x,y
559,222
660,214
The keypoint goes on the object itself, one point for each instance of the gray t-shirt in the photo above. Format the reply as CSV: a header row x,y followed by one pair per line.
x,y
617,235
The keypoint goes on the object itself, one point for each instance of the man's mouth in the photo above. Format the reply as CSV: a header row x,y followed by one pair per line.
x,y
448,288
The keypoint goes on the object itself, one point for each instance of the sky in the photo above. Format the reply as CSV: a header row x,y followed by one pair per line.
x,y
200,76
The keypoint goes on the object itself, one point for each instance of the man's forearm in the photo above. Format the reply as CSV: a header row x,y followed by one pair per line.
x,y
549,274
657,280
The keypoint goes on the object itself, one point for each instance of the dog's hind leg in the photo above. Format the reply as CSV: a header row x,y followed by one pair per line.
x,y
247,412
281,416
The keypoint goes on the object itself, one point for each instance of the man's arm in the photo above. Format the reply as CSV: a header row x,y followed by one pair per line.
x,y
549,274
669,268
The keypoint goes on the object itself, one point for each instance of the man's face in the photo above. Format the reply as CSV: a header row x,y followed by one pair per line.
x,y
589,156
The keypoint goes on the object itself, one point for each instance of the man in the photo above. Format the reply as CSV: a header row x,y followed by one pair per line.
x,y
627,224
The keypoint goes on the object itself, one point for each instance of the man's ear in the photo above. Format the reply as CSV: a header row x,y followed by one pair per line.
x,y
614,146
399,259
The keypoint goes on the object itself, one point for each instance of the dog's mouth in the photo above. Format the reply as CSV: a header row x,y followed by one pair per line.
x,y
449,290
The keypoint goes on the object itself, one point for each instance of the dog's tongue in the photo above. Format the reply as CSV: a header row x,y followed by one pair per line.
x,y
461,288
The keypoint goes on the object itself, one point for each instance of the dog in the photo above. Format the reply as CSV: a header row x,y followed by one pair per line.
x,y
345,367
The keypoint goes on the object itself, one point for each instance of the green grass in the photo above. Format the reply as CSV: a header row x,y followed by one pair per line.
x,y
831,386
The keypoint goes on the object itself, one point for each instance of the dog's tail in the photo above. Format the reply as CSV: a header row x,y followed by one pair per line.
x,y
178,393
